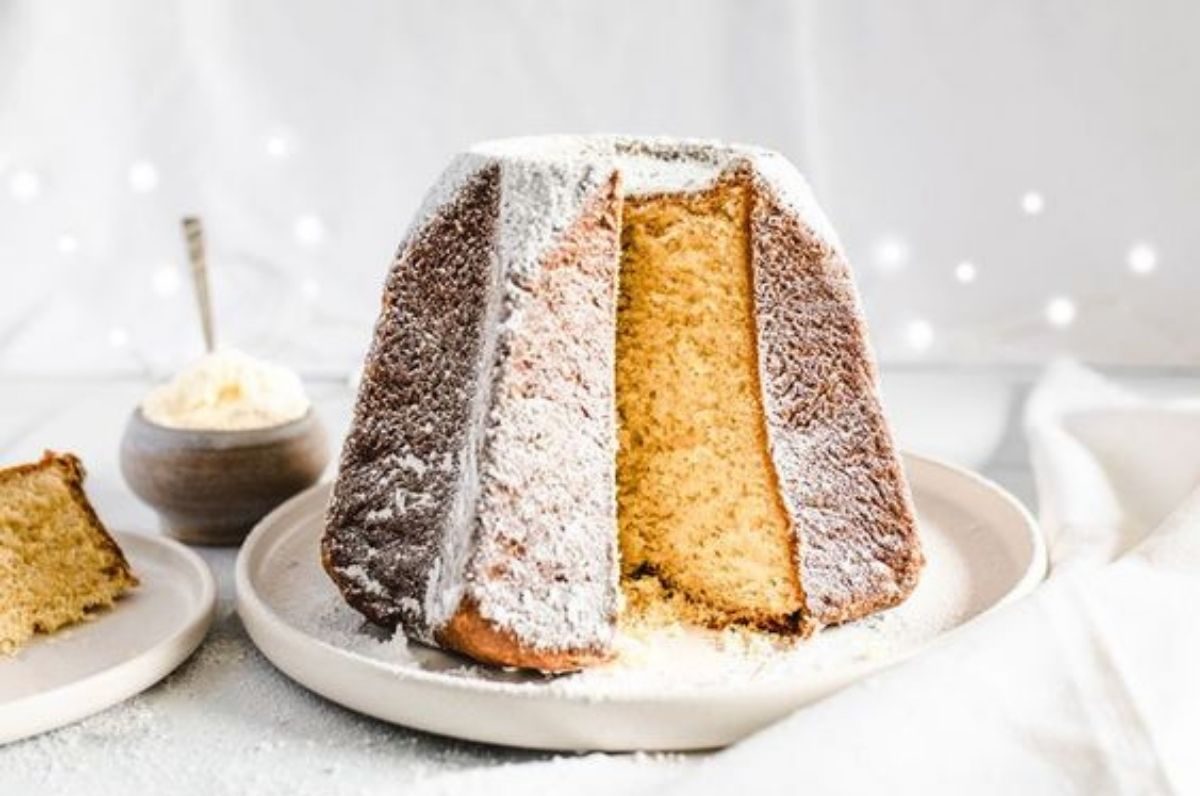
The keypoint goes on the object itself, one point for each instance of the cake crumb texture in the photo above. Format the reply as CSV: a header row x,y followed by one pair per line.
x,y
58,564
698,506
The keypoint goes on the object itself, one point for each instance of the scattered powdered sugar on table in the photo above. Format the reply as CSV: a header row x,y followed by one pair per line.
x,y
228,722
578,776
277,737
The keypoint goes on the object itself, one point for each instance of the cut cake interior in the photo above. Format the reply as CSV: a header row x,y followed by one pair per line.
x,y
702,524
57,562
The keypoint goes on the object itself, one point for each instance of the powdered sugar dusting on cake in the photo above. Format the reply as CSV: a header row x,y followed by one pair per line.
x,y
481,458
539,200
447,581
544,567
647,165
838,470
660,166
444,588
443,193
404,501
790,186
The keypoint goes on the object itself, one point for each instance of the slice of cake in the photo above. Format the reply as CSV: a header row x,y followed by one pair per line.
x,y
57,562
615,378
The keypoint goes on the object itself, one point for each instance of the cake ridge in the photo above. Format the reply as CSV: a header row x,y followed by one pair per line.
x,y
825,426
445,588
554,620
396,490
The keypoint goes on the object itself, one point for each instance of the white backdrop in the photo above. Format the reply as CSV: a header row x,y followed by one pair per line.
x,y
1013,180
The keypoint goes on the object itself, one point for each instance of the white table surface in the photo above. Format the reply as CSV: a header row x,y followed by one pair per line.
x,y
228,722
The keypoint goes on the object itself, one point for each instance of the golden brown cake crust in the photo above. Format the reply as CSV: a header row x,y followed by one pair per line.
x,y
471,634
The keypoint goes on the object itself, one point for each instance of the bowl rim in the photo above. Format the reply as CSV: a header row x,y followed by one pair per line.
x,y
247,437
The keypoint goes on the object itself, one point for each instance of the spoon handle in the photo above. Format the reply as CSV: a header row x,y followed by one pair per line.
x,y
193,233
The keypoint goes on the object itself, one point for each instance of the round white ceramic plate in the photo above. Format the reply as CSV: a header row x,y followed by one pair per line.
x,y
670,690
85,668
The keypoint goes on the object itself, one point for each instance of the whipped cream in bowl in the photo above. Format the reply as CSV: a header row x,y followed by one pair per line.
x,y
221,444
228,391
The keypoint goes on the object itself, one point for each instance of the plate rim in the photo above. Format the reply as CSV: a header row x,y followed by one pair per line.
x,y
75,700
261,620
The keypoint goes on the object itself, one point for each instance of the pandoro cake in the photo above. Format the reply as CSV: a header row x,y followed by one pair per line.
x,y
614,377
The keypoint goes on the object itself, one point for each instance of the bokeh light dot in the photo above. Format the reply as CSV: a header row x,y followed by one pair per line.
x,y
67,244
1061,312
309,229
310,289
118,337
25,185
919,334
166,281
1142,259
278,146
143,176
966,272
1033,203
891,254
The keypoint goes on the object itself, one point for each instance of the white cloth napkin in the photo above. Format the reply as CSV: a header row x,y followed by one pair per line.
x,y
1089,686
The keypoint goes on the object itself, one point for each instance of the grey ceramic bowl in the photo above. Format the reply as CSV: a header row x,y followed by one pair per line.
x,y
211,487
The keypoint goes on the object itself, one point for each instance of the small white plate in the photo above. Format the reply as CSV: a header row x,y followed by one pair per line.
x,y
677,690
82,669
